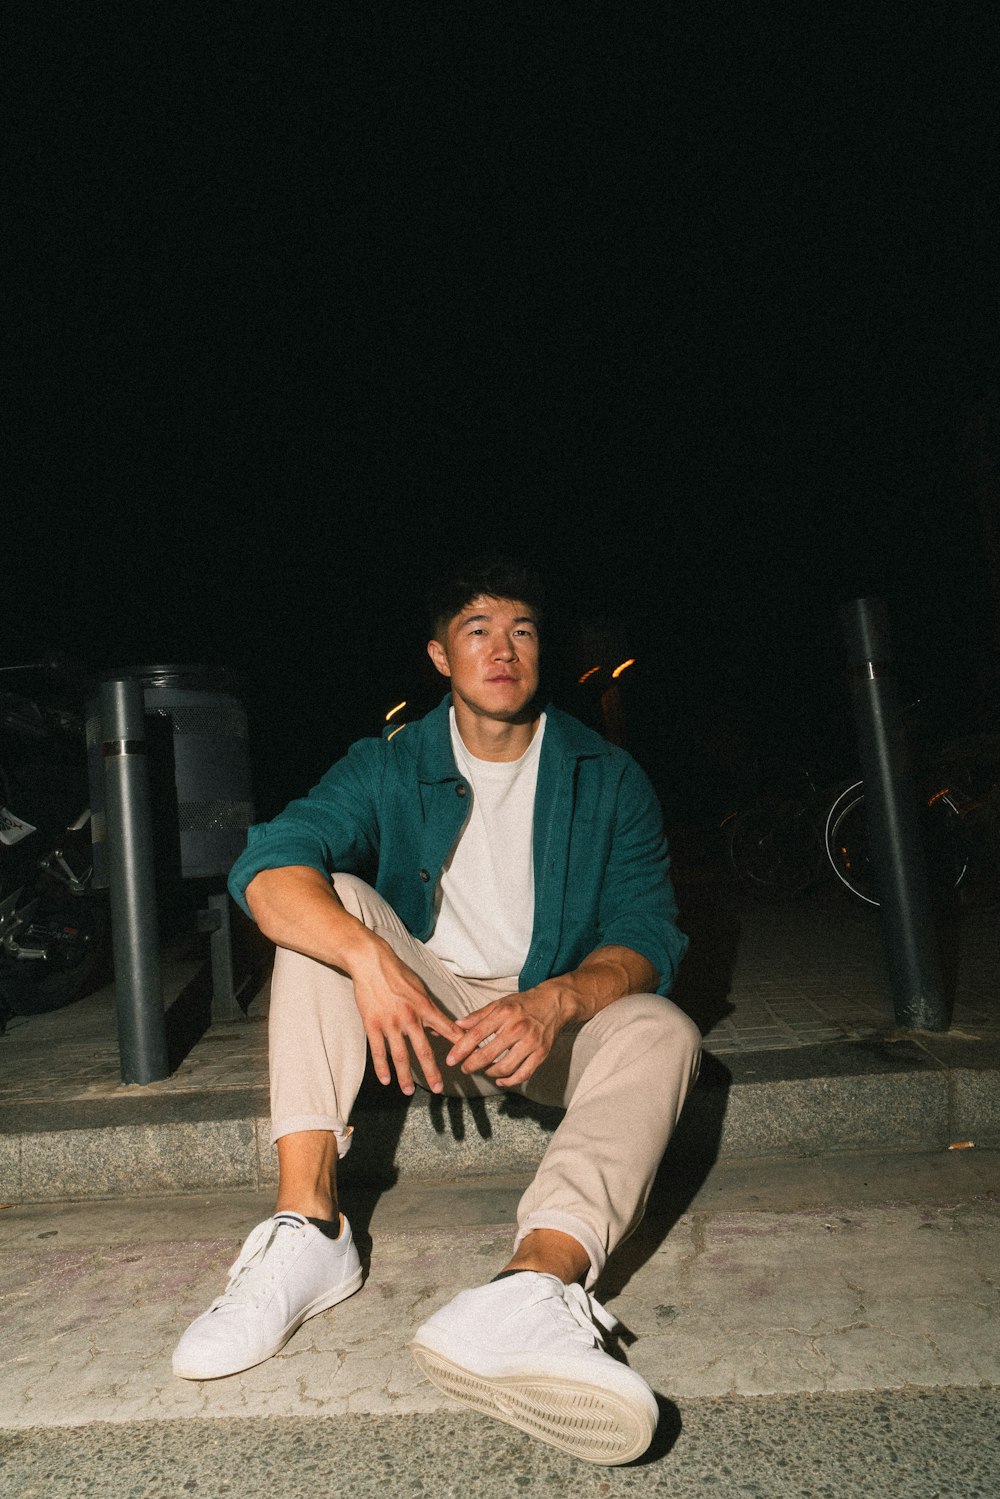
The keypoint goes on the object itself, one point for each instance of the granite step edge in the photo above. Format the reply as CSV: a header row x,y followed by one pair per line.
x,y
776,1104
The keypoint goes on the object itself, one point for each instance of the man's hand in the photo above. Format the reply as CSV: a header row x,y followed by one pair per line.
x,y
297,907
510,1038
396,1011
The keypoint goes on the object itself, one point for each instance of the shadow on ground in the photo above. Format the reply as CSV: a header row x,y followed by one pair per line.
x,y
705,979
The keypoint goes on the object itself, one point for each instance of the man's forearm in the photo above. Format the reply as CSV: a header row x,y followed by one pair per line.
x,y
607,974
297,907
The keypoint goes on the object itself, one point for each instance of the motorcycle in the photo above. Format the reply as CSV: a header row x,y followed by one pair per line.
x,y
53,926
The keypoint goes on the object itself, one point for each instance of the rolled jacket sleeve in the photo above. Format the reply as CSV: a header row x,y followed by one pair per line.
x,y
637,907
335,828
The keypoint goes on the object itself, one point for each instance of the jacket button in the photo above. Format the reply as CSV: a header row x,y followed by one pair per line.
x,y
424,875
461,789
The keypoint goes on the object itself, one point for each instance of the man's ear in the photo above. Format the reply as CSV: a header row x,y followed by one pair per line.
x,y
436,652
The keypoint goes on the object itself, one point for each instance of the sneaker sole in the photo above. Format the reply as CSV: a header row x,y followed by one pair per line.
x,y
600,1426
322,1304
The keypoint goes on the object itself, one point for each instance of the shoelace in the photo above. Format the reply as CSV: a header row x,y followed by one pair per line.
x,y
587,1312
249,1260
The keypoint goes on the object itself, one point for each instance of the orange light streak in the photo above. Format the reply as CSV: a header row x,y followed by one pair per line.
x,y
589,673
619,669
395,710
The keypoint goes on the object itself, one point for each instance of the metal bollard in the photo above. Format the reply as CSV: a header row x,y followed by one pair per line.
x,y
908,936
142,1035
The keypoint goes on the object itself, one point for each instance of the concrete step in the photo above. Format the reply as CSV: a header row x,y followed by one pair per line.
x,y
901,1093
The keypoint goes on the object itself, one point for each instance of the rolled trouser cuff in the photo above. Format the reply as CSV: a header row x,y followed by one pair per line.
x,y
567,1223
300,1123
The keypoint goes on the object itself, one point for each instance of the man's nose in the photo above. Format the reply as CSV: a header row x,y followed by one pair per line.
x,y
503,649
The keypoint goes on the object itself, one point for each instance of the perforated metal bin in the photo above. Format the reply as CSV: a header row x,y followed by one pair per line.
x,y
199,766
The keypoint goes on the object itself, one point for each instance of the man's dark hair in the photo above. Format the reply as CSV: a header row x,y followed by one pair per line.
x,y
496,577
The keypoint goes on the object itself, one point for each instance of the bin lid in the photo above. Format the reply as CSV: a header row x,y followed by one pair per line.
x,y
180,677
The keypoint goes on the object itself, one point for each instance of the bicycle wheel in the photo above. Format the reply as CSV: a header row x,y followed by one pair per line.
x,y
774,852
849,852
74,934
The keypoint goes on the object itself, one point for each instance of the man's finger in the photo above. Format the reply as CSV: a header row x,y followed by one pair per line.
x,y
472,1043
526,1054
477,1027
490,1050
425,1057
508,1062
401,1062
516,1079
468,1022
441,1024
464,1048
377,1047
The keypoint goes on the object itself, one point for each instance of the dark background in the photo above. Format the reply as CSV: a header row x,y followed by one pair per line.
x,y
690,303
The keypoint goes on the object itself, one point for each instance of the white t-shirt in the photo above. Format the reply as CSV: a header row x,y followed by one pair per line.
x,y
485,900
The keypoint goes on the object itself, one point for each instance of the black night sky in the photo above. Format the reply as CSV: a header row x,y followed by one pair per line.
x,y
689,302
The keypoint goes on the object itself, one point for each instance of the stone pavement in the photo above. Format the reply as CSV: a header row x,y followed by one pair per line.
x,y
871,1276
813,1293
770,1307
914,1444
801,1056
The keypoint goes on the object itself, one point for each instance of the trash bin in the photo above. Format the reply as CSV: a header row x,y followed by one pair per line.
x,y
199,770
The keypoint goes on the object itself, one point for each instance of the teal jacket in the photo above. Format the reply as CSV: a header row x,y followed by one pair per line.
x,y
391,810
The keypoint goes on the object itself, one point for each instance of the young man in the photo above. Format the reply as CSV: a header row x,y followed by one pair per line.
x,y
519,936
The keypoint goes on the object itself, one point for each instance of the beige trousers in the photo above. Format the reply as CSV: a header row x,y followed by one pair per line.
x,y
622,1079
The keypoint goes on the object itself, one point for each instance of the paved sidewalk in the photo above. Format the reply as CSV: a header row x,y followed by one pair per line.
x,y
813,971
870,1277
801,1056
810,1328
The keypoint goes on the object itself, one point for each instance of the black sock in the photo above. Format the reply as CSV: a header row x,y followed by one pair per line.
x,y
328,1226
504,1274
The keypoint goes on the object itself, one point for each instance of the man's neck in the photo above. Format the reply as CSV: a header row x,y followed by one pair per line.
x,y
491,738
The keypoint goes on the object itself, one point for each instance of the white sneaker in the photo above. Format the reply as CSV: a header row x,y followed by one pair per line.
x,y
286,1271
527,1350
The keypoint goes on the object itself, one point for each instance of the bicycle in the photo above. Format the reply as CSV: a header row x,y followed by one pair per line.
x,y
775,847
960,822
780,848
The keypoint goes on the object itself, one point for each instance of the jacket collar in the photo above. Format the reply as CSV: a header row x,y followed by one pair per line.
x,y
566,738
435,761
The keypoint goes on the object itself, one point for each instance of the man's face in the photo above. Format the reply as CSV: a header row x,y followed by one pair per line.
x,y
490,653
